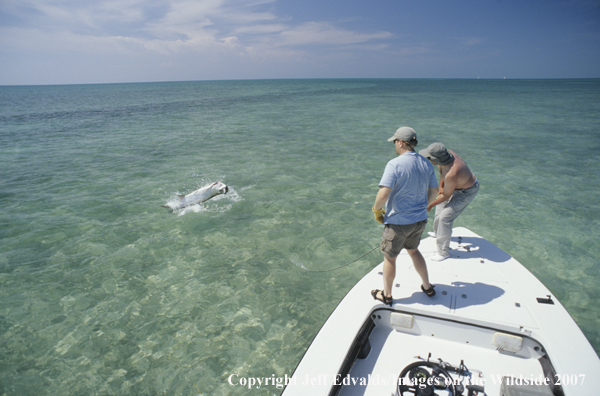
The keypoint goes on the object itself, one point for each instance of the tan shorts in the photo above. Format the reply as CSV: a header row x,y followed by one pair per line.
x,y
397,237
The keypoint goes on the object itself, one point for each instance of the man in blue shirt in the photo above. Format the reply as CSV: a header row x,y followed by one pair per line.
x,y
407,187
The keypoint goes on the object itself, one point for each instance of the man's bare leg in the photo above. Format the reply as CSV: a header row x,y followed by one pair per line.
x,y
420,265
389,273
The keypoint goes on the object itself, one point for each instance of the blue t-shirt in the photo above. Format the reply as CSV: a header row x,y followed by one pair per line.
x,y
410,176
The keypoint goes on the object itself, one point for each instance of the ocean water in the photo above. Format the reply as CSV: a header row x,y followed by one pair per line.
x,y
104,292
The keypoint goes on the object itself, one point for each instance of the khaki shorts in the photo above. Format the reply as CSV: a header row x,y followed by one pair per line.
x,y
397,237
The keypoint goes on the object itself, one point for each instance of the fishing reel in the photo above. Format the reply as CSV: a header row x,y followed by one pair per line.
x,y
425,379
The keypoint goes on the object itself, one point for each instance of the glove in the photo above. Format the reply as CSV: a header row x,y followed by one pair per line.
x,y
379,214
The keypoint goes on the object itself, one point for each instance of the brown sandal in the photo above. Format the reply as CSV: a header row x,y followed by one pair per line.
x,y
380,295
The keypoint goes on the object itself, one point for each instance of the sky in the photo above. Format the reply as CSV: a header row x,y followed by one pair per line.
x,y
114,41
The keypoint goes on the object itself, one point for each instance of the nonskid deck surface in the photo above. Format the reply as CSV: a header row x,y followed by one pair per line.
x,y
472,284
474,301
489,312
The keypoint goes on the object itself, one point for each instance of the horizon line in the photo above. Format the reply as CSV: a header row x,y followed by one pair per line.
x,y
305,79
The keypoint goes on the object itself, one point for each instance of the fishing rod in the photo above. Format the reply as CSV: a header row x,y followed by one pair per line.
x,y
341,266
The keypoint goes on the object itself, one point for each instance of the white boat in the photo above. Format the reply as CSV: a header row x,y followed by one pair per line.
x,y
491,329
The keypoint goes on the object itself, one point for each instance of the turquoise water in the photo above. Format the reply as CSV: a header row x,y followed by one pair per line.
x,y
104,292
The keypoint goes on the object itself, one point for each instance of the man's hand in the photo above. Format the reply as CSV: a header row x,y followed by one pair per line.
x,y
379,214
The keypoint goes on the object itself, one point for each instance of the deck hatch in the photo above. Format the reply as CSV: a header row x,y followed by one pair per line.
x,y
508,342
400,320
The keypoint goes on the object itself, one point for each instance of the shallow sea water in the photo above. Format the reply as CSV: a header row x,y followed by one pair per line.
x,y
104,292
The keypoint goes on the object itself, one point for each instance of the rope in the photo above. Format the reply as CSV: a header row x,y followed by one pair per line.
x,y
341,266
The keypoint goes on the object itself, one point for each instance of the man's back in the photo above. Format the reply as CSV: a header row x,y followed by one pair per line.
x,y
409,176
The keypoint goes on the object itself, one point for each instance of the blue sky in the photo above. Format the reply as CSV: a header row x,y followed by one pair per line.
x,y
105,41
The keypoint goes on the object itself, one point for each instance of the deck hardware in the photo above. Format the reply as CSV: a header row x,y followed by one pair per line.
x,y
524,330
547,300
474,390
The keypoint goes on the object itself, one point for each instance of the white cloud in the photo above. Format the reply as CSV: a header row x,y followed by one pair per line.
x,y
471,41
74,15
197,23
195,36
260,29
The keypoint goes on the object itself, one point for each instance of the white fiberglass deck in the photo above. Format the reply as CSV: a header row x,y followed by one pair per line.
x,y
485,299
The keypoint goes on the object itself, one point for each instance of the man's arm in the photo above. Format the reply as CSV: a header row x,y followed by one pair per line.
x,y
446,189
382,197
441,179
431,195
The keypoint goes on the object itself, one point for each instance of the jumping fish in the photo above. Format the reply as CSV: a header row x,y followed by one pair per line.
x,y
200,195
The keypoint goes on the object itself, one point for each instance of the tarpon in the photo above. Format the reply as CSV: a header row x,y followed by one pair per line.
x,y
200,195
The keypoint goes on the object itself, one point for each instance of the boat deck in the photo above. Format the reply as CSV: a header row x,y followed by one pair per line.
x,y
489,312
474,301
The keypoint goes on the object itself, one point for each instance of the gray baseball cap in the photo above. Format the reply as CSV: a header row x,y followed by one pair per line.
x,y
406,134
438,153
